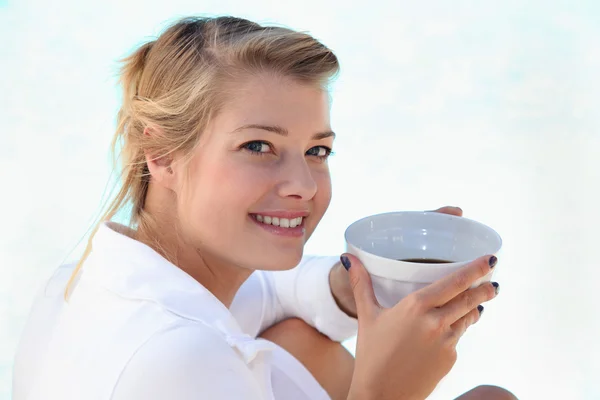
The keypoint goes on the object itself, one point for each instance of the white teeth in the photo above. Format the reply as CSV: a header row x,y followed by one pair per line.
x,y
281,222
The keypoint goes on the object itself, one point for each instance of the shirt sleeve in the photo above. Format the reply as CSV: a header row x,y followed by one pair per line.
x,y
304,293
186,364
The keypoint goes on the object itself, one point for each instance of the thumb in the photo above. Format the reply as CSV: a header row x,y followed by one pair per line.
x,y
456,211
367,305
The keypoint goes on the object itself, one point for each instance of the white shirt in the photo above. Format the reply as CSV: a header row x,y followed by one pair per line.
x,y
137,327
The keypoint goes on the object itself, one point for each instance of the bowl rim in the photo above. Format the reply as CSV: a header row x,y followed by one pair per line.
x,y
411,268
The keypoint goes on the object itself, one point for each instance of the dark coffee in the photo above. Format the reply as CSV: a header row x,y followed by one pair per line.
x,y
426,261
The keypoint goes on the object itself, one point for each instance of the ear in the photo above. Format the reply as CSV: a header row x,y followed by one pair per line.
x,y
160,167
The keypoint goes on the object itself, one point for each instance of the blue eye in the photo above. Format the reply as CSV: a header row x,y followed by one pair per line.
x,y
257,147
260,148
321,152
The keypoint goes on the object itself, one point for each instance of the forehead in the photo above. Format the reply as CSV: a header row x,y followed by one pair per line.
x,y
276,100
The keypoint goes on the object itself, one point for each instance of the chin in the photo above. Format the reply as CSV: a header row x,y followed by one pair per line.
x,y
278,260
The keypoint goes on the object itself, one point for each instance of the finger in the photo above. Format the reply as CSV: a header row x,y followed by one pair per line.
x,y
460,327
442,291
457,211
467,301
367,305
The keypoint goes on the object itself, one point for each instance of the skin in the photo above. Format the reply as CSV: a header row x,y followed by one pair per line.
x,y
403,352
265,153
333,366
212,232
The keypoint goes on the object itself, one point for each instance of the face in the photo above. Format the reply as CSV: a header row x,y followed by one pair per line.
x,y
258,183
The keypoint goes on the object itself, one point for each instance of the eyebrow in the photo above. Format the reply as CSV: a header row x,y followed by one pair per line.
x,y
282,131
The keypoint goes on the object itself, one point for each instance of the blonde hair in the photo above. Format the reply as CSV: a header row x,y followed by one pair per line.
x,y
175,84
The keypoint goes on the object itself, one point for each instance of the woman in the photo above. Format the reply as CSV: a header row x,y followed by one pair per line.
x,y
224,135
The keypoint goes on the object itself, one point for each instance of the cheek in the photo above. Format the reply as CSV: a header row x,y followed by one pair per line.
x,y
223,190
323,195
320,201
325,188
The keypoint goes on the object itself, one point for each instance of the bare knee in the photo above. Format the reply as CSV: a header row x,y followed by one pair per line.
x,y
283,329
488,392
328,361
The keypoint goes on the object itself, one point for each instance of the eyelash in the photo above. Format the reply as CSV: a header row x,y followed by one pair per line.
x,y
328,151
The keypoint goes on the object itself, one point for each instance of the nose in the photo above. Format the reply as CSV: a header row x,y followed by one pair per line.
x,y
296,179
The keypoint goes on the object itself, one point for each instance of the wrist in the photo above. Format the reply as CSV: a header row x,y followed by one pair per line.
x,y
341,290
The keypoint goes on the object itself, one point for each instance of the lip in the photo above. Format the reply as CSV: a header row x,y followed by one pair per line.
x,y
296,232
289,214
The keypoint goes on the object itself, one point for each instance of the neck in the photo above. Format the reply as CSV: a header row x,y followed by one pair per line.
x,y
222,279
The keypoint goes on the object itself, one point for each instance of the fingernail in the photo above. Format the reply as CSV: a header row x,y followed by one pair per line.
x,y
496,287
480,309
346,262
493,261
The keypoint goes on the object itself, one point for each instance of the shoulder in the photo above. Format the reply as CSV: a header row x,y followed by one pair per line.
x,y
185,361
182,342
42,318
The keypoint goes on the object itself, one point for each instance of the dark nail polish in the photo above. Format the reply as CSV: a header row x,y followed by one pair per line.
x,y
346,262
480,309
496,287
493,261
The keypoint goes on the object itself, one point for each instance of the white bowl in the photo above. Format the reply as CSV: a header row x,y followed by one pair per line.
x,y
381,241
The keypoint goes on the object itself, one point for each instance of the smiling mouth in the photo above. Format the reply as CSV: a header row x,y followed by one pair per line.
x,y
289,223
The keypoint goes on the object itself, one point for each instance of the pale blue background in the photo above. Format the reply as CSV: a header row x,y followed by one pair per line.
x,y
492,106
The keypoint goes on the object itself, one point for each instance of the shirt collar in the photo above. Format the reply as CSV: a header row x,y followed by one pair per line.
x,y
134,270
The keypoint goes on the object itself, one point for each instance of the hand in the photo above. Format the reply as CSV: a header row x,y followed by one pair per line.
x,y
456,211
340,284
404,351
